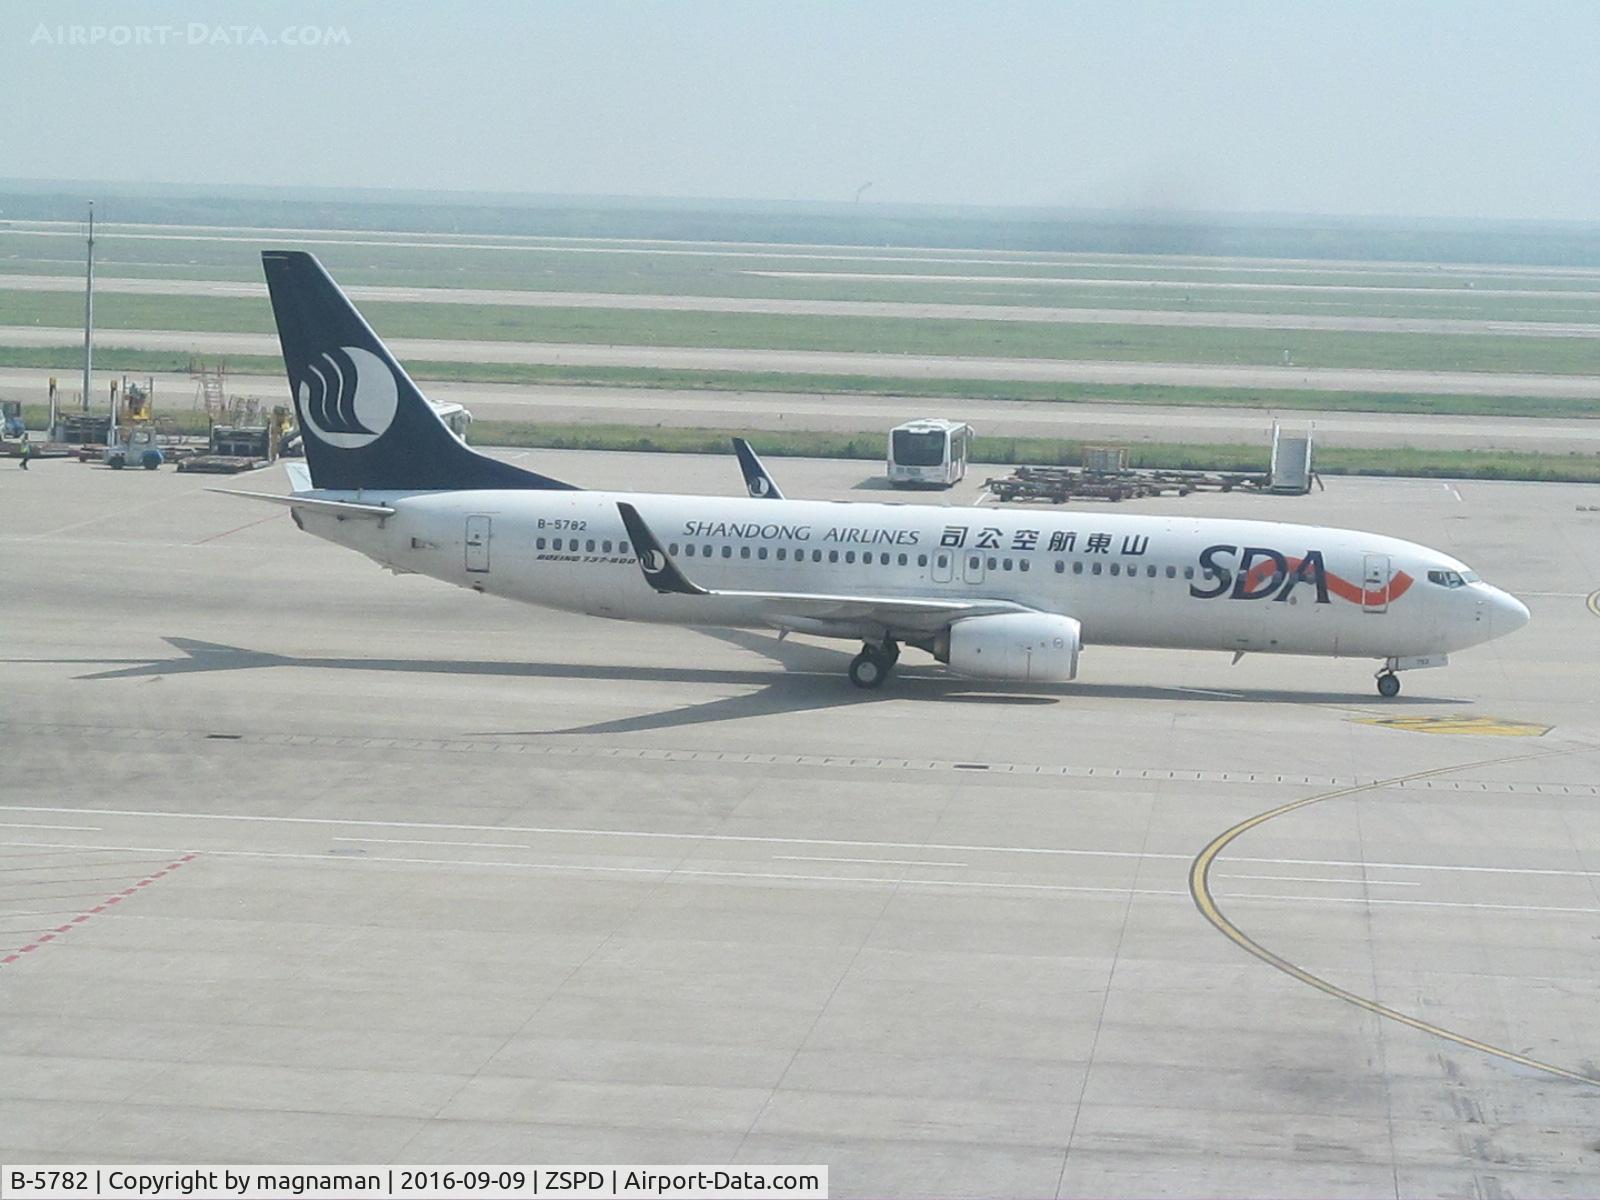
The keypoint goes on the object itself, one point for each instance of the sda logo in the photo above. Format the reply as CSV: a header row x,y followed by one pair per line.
x,y
348,398
654,562
759,486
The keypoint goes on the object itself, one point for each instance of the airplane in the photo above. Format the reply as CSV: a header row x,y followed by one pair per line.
x,y
992,593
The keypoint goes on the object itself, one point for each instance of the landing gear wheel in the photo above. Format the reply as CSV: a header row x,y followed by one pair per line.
x,y
1388,685
869,669
890,652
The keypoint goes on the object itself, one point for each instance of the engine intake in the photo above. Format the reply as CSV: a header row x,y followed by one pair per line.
x,y
1034,647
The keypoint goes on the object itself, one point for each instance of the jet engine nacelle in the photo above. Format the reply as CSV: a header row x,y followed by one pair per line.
x,y
1036,647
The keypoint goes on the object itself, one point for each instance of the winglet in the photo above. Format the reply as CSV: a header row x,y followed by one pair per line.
x,y
659,571
758,480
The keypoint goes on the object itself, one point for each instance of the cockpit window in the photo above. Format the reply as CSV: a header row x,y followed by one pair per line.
x,y
1471,577
1451,579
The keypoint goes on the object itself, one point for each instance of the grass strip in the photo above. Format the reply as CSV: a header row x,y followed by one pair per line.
x,y
66,363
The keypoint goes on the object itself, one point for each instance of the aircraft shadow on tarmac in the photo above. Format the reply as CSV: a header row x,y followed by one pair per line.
x,y
810,678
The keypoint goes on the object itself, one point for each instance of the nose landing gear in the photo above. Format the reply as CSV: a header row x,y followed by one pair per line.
x,y
872,666
1388,684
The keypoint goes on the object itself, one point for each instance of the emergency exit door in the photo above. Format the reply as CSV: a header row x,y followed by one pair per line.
x,y
1375,583
478,533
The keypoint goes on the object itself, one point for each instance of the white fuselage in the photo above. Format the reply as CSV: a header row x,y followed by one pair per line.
x,y
1132,580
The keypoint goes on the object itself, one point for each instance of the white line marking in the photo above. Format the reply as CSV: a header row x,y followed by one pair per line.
x,y
676,872
1208,692
1451,488
426,842
121,510
17,916
1528,908
945,847
886,862
74,828
668,872
1326,879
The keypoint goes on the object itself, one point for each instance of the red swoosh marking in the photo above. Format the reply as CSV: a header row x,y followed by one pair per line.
x,y
1399,584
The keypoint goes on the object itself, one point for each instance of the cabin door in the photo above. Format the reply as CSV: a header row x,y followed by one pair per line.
x,y
478,533
1375,583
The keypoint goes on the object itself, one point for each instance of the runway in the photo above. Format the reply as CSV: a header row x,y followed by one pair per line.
x,y
900,310
894,366
296,853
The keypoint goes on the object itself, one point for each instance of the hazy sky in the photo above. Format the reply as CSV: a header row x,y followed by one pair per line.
x,y
1442,109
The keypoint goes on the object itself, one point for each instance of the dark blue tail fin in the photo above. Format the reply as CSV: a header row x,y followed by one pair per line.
x,y
363,422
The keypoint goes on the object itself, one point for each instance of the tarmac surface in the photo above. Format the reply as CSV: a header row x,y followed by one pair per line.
x,y
853,413
301,862
521,298
829,362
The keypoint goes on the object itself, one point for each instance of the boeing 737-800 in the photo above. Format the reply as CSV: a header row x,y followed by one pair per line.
x,y
995,594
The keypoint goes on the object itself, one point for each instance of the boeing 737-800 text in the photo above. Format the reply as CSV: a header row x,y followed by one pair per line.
x,y
995,594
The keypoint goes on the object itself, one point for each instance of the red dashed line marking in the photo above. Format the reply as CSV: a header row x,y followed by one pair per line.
x,y
87,914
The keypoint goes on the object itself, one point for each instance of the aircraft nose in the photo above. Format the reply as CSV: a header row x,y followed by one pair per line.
x,y
1510,614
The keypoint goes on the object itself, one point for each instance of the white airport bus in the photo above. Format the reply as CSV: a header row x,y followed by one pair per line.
x,y
928,452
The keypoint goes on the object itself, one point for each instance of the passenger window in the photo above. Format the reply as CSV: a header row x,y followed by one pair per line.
x,y
849,556
1096,568
588,547
538,544
783,554
922,560
707,551
744,552
1077,567
1172,572
1188,572
944,560
761,552
1022,564
1007,563
883,559
816,556
1116,568
622,547
833,556
555,543
1061,567
972,563
991,564
727,552
902,560
1150,571
605,547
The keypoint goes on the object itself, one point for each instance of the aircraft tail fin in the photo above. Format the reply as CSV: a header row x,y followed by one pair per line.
x,y
758,480
364,423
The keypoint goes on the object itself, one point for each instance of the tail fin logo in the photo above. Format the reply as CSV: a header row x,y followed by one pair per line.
x,y
348,397
759,486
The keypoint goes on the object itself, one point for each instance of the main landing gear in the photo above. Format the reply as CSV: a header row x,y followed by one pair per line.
x,y
872,666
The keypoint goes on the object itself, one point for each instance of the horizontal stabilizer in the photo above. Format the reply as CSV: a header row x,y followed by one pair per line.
x,y
345,508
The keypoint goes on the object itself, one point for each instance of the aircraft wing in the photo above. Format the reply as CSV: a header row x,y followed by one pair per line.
x,y
897,612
